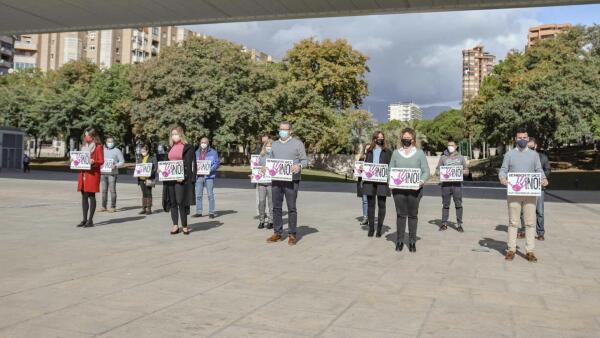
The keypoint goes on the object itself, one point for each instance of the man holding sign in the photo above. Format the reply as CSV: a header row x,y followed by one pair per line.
x,y
208,163
451,168
113,160
515,174
287,148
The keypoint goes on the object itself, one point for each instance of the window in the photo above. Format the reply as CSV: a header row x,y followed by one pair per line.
x,y
52,56
92,47
117,50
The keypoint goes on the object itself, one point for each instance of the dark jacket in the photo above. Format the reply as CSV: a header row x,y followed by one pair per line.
x,y
373,188
545,164
189,181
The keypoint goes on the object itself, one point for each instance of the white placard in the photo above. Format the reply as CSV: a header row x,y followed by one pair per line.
x,y
203,167
524,184
259,177
375,172
255,161
357,170
451,173
80,160
107,166
170,171
405,178
279,170
143,170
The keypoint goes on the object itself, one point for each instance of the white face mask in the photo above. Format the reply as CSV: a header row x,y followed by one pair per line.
x,y
451,149
203,145
144,153
176,138
268,149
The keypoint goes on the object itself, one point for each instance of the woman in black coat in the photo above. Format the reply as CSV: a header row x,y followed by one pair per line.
x,y
377,192
178,196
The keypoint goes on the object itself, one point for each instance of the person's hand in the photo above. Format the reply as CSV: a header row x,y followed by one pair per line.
x,y
465,172
114,166
263,170
361,169
179,181
296,168
92,162
503,181
421,184
545,182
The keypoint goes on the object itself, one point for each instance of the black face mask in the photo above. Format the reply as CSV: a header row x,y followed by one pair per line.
x,y
379,142
406,143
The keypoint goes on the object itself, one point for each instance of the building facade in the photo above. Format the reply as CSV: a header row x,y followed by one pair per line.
x,y
404,111
477,64
7,52
104,47
545,32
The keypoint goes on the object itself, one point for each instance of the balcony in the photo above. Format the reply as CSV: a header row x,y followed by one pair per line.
x,y
5,64
6,51
22,45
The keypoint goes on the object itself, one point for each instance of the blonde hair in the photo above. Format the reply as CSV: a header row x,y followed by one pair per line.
x,y
263,152
180,132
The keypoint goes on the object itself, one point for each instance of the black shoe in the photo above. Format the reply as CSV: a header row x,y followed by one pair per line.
x,y
378,234
460,228
211,216
399,246
186,231
261,225
143,212
270,226
82,223
371,232
412,247
443,227
89,224
197,215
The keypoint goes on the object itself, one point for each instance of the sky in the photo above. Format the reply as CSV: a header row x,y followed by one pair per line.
x,y
412,57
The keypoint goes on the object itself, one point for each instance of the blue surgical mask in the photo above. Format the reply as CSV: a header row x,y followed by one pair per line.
x,y
110,145
284,134
522,143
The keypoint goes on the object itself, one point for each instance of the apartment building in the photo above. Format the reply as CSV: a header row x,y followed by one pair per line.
x,y
6,53
477,64
542,32
405,111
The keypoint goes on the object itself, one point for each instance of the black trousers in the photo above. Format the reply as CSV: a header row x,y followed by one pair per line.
x,y
180,210
289,190
146,190
371,211
88,204
407,210
453,191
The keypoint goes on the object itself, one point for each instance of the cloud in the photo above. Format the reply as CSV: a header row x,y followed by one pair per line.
x,y
412,57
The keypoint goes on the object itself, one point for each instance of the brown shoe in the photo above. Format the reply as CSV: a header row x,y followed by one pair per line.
x,y
531,257
274,238
510,255
292,240
111,210
102,210
521,235
540,238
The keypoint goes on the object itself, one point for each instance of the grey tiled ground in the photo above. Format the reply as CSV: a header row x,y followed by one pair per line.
x,y
128,277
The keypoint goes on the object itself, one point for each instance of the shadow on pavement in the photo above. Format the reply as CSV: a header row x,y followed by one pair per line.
x,y
120,220
493,244
204,226
305,230
502,227
392,237
225,212
438,223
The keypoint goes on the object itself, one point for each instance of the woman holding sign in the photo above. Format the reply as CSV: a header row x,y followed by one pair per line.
x,y
146,183
179,195
408,173
88,182
376,191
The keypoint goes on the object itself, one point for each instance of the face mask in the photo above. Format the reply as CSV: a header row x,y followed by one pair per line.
x,y
284,134
176,138
203,145
110,145
268,149
522,143
406,142
88,139
144,152
380,142
451,149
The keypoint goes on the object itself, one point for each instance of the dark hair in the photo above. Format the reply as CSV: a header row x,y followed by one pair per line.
x,y
93,133
521,130
450,139
374,138
532,139
148,147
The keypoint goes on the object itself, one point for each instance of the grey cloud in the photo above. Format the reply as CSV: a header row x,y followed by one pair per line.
x,y
413,57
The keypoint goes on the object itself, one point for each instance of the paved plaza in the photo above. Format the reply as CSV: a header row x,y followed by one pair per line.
x,y
127,277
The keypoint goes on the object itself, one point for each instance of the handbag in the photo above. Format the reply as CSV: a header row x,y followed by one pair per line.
x,y
150,183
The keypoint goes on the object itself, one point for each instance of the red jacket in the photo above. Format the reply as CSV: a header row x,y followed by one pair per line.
x,y
89,180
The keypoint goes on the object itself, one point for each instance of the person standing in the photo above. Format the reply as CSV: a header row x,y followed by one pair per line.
x,y
539,208
206,152
179,195
359,191
287,148
378,153
259,147
147,183
407,200
452,189
521,160
26,161
88,181
265,192
109,180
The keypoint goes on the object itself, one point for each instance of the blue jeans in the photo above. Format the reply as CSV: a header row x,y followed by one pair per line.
x,y
209,183
365,206
539,214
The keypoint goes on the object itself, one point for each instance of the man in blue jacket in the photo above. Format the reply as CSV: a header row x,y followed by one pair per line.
x,y
206,152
